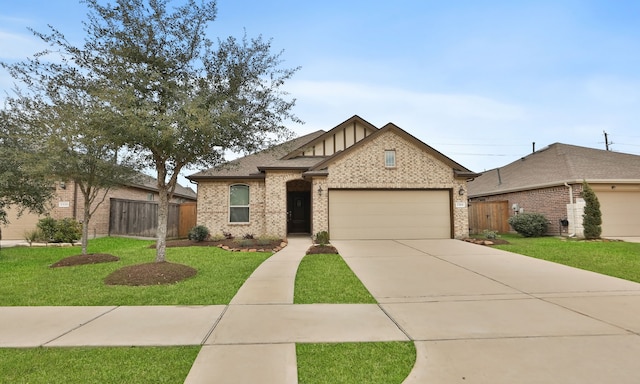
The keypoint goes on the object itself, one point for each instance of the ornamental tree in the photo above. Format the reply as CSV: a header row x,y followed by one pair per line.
x,y
592,217
181,99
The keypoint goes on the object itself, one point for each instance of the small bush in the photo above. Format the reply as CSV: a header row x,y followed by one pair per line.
x,y
322,238
67,231
47,226
489,234
34,236
216,237
529,224
248,236
198,233
245,243
227,235
267,240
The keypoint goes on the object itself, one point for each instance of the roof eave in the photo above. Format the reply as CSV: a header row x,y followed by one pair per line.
x,y
553,184
226,177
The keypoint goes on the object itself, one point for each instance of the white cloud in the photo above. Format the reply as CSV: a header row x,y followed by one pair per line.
x,y
323,105
18,46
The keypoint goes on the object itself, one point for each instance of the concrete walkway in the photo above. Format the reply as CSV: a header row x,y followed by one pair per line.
x,y
475,314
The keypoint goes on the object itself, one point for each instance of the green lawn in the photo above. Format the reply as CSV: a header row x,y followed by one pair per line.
x,y
96,365
326,278
27,280
613,258
355,363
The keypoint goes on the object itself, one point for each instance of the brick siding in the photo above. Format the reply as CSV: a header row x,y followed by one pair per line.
x,y
550,202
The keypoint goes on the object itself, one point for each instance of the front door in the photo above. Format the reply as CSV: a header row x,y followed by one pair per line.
x,y
298,212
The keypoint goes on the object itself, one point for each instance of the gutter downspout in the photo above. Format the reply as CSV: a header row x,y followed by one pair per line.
x,y
573,208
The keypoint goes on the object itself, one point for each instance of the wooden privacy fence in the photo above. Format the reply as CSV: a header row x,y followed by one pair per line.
x,y
140,218
491,215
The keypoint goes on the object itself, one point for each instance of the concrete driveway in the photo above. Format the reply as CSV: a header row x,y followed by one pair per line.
x,y
481,315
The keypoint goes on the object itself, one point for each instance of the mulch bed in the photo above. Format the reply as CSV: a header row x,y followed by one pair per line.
x,y
165,272
150,274
94,258
230,244
318,249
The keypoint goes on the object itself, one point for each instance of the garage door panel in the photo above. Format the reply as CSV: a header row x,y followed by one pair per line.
x,y
620,213
389,214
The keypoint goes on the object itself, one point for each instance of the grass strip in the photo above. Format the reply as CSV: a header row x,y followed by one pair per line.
x,y
27,280
137,365
326,278
613,258
362,363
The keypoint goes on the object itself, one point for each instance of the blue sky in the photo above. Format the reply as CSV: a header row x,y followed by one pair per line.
x,y
480,81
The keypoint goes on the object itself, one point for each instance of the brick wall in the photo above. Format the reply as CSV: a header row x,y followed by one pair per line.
x,y
551,202
213,207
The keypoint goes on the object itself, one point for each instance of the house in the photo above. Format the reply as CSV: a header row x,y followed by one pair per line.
x,y
69,202
355,181
549,181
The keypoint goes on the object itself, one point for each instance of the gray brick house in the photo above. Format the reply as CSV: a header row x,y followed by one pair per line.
x,y
355,181
549,181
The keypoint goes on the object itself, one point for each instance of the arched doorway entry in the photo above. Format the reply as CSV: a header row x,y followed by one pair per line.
x,y
298,206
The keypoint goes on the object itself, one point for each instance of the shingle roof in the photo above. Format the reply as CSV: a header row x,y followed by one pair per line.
x,y
149,183
554,165
248,166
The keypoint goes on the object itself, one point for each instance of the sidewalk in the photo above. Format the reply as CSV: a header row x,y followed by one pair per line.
x,y
250,340
474,313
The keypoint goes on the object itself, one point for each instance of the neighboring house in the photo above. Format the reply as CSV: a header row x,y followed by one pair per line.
x,y
355,181
549,181
69,202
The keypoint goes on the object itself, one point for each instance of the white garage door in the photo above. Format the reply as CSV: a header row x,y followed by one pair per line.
x,y
620,213
370,214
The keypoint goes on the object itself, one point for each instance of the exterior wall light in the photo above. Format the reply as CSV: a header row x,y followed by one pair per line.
x,y
320,190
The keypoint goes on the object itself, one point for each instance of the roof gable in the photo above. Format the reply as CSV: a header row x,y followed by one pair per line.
x,y
339,138
556,164
459,170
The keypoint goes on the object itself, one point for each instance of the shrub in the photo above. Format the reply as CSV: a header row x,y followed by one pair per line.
x,y
248,236
529,224
47,226
245,243
216,237
198,233
267,240
489,234
68,230
322,238
227,235
592,217
33,236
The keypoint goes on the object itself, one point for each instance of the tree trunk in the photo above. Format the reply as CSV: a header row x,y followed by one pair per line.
x,y
86,217
163,215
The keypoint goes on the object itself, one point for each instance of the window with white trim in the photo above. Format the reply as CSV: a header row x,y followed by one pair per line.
x,y
239,203
390,158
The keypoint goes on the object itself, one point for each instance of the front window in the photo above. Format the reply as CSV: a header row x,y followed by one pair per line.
x,y
390,158
239,204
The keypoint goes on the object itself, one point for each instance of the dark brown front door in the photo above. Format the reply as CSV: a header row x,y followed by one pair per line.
x,y
298,212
